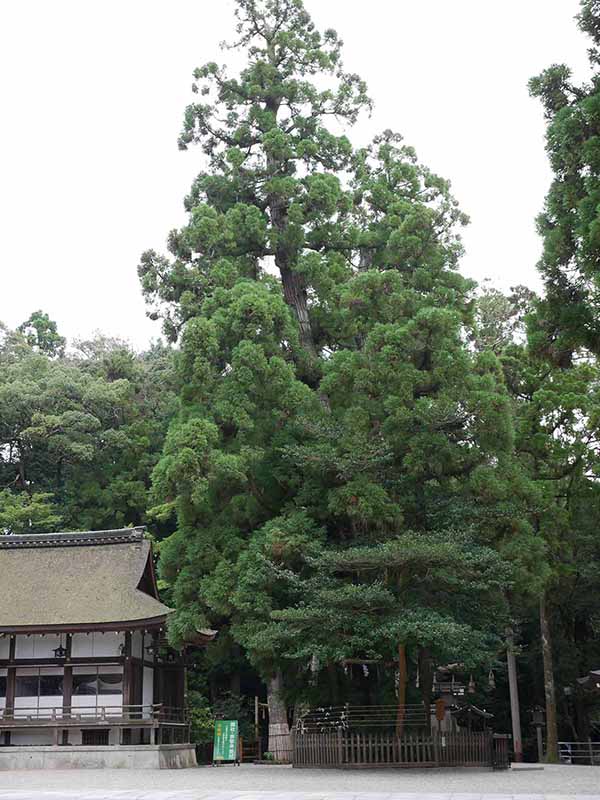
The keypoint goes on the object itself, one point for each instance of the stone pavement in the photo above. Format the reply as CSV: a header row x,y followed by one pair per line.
x,y
251,782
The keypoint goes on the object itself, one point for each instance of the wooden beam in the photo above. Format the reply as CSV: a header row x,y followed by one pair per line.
x,y
59,662
152,623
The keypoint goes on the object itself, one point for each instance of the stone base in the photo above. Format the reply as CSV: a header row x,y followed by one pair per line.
x,y
141,756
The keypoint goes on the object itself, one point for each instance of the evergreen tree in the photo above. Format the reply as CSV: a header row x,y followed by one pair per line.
x,y
569,315
330,407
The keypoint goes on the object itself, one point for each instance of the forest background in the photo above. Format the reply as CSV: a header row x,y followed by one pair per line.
x,y
346,452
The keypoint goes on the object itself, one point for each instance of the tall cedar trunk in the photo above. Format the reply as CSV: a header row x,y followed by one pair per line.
x,y
515,709
426,682
402,681
279,730
294,290
551,724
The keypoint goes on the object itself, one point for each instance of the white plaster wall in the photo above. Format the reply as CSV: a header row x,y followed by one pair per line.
x,y
37,646
137,644
24,646
96,644
148,687
82,645
107,644
4,646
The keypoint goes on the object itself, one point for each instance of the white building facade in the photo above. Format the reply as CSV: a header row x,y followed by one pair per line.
x,y
83,655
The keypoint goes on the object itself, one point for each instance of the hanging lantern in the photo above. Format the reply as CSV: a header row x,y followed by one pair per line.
x,y
60,651
471,687
491,679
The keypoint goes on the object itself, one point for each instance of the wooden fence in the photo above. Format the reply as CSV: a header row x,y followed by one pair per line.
x,y
349,749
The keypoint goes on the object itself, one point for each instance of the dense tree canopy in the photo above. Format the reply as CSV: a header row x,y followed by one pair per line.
x,y
337,435
569,315
79,433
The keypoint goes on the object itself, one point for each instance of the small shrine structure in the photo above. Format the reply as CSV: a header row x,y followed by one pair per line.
x,y
86,675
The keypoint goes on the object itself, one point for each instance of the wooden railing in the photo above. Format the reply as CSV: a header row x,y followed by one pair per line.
x,y
352,749
113,715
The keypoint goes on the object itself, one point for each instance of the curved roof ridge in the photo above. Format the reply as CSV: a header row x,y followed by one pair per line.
x,y
72,538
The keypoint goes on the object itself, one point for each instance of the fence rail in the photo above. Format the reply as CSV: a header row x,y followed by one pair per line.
x,y
331,718
579,753
353,749
155,714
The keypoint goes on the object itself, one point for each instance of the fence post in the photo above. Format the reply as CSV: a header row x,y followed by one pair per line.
x,y
436,748
340,747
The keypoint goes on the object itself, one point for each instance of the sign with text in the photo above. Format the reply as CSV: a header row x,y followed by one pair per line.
x,y
225,745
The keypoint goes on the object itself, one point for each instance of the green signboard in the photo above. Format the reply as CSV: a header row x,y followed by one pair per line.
x,y
225,747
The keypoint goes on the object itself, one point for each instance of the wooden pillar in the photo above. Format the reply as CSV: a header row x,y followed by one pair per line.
x,y
67,686
127,683
11,675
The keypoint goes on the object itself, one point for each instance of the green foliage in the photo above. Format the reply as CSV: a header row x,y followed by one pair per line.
x,y
227,706
330,407
27,513
79,433
568,315
42,334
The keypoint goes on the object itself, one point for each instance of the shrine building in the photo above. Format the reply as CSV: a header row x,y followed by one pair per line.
x,y
86,675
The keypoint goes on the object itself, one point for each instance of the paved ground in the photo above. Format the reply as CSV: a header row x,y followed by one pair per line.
x,y
284,783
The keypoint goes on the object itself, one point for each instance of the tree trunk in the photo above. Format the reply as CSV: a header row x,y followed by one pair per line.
x,y
279,730
515,713
402,681
334,689
294,293
235,681
426,682
551,724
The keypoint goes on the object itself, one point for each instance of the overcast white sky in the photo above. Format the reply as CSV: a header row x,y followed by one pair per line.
x,y
92,98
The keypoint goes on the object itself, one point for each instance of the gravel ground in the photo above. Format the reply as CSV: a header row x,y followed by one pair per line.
x,y
251,782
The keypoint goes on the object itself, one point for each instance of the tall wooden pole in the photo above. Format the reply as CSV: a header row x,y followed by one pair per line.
x,y
513,687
